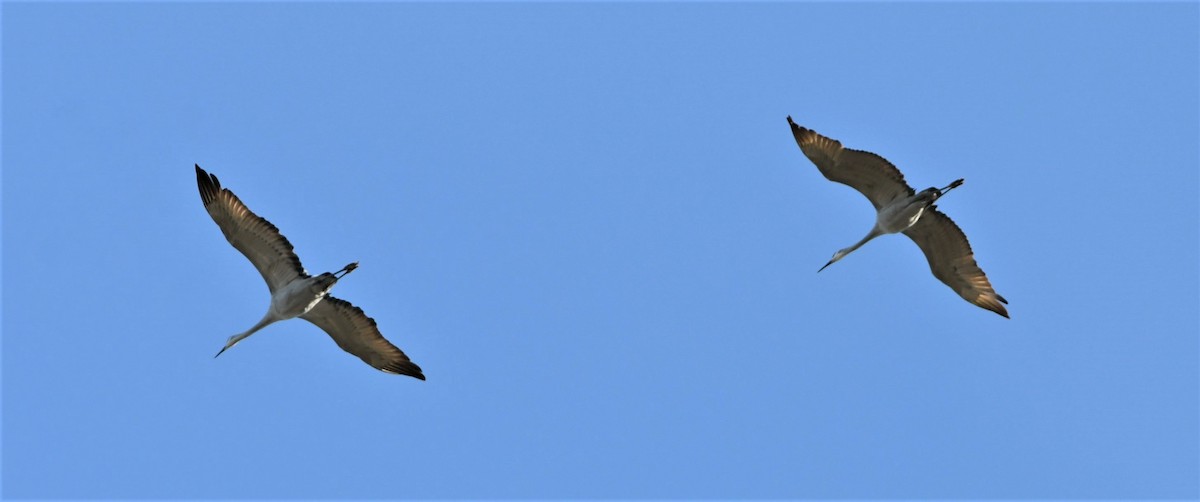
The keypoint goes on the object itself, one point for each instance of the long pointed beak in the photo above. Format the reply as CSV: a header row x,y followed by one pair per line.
x,y
222,350
826,265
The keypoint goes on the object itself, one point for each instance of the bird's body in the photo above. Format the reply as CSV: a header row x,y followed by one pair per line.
x,y
904,213
897,216
302,294
294,299
294,293
902,209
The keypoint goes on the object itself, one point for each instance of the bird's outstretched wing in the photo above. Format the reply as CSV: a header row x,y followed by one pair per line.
x,y
255,237
951,260
357,334
866,172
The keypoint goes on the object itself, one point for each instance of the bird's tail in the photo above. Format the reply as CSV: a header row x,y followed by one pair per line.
x,y
936,193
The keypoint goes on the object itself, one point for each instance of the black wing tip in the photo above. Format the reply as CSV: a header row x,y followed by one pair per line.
x,y
202,174
1000,308
796,128
994,306
803,135
406,368
208,183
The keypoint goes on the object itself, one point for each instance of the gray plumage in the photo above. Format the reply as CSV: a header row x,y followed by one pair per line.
x,y
294,293
901,209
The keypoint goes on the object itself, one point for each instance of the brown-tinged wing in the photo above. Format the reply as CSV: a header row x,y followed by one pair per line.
x,y
357,334
951,260
255,237
870,174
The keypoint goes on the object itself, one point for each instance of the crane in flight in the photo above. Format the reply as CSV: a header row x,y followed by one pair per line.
x,y
294,293
901,209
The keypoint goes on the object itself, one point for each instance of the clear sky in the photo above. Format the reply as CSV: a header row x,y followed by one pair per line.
x,y
590,225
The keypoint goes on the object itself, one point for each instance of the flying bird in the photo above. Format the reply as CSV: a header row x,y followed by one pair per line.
x,y
294,293
901,209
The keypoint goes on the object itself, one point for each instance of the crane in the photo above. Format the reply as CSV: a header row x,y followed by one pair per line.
x,y
901,209
294,293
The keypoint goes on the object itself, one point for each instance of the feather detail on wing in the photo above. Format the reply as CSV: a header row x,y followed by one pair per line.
x,y
952,261
255,237
357,334
870,174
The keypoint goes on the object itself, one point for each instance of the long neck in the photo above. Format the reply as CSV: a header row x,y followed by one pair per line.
x,y
875,232
267,319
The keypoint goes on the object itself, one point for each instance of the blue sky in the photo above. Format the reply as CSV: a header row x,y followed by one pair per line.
x,y
590,225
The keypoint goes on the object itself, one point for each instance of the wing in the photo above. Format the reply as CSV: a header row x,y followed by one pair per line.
x,y
258,239
357,334
951,260
866,172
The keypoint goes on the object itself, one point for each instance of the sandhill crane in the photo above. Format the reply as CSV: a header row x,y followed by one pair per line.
x,y
294,293
903,210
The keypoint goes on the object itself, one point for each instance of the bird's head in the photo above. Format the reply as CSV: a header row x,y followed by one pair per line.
x,y
836,256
